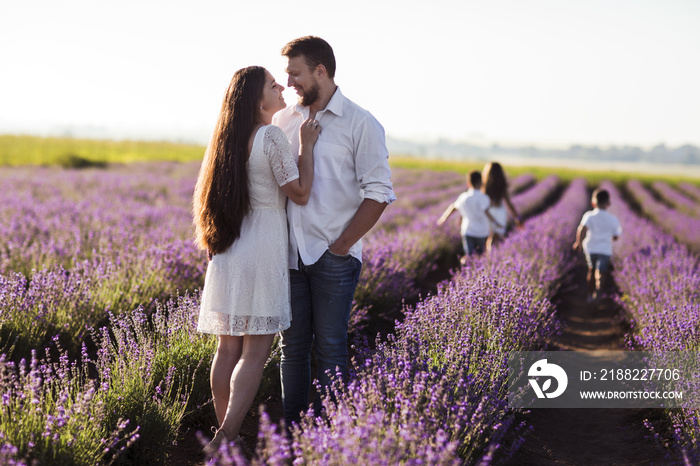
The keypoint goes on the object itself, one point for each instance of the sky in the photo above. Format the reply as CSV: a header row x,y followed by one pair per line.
x,y
512,72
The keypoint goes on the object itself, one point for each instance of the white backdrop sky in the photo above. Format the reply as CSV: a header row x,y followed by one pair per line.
x,y
508,71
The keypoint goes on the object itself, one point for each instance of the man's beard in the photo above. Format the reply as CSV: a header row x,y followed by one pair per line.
x,y
309,96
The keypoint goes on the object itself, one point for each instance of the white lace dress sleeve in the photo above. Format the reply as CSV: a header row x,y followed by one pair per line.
x,y
279,152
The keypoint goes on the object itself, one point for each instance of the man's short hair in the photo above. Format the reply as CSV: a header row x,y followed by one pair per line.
x,y
601,196
474,177
315,51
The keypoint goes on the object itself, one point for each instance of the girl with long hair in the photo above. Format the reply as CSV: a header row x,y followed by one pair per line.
x,y
495,186
246,177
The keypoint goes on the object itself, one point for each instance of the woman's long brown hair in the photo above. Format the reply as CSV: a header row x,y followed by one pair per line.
x,y
221,197
495,184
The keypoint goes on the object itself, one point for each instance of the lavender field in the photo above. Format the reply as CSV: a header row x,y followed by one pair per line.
x,y
99,295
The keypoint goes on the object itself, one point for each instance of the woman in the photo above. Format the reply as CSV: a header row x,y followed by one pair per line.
x,y
496,188
247,174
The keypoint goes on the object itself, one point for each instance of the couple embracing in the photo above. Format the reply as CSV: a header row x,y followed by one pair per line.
x,y
283,198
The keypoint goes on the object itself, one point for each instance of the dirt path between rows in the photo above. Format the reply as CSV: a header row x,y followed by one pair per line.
x,y
589,436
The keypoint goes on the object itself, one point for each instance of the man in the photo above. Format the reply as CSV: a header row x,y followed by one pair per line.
x,y
351,189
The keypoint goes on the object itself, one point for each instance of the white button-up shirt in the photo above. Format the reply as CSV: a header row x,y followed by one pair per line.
x,y
351,163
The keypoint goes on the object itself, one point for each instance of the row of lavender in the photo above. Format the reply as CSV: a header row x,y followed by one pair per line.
x,y
660,282
690,189
683,222
434,393
684,202
125,403
82,249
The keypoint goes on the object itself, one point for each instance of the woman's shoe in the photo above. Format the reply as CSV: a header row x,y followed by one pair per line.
x,y
212,447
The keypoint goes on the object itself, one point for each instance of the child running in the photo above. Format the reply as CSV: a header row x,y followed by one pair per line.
x,y
496,188
598,229
473,206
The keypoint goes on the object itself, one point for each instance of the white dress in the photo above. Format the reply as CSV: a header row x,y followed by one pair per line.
x,y
500,215
246,288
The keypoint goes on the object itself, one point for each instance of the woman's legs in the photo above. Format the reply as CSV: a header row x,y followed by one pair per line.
x,y
494,238
228,352
244,380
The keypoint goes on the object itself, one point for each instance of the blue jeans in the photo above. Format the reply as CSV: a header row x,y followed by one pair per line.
x,y
322,295
599,262
473,244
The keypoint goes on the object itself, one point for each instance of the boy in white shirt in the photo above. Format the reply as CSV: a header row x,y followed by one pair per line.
x,y
598,228
473,206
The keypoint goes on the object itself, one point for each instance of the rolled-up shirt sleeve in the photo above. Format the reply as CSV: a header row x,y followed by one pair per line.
x,y
372,162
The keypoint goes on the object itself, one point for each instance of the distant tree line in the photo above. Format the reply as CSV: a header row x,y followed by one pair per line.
x,y
686,154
